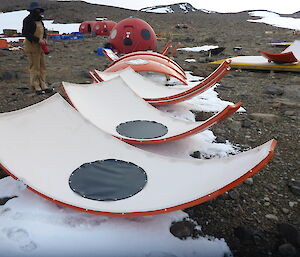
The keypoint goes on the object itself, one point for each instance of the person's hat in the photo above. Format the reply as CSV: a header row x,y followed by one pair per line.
x,y
34,5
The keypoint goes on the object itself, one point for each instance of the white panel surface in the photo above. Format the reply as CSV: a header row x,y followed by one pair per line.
x,y
43,144
295,48
110,103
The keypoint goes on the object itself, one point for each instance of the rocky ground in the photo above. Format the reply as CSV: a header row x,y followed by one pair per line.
x,y
261,217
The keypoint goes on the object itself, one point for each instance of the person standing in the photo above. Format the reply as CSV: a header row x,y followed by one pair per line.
x,y
35,38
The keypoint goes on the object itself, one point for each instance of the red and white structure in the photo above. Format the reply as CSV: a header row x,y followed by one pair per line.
x,y
86,27
103,28
131,35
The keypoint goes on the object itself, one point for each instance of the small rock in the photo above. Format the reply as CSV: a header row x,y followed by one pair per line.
x,y
84,74
234,194
288,102
272,217
196,155
182,229
188,39
292,91
201,116
294,117
235,125
210,40
249,181
276,105
263,116
285,210
289,113
287,250
246,123
245,234
273,90
5,199
3,174
272,187
289,233
294,186
8,75
292,204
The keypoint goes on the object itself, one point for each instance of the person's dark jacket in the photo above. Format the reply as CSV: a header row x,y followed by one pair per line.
x,y
29,27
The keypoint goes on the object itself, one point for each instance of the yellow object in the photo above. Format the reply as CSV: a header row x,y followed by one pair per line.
x,y
258,63
281,44
36,58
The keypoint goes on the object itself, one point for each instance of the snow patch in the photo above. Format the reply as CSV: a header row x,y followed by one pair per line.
x,y
276,20
198,48
31,226
190,60
14,20
159,10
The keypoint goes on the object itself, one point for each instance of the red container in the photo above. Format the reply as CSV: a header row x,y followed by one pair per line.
x,y
45,48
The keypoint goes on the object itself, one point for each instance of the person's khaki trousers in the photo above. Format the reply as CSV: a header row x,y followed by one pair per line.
x,y
37,70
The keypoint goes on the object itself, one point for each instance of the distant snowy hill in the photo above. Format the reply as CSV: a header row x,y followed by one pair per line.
x,y
173,8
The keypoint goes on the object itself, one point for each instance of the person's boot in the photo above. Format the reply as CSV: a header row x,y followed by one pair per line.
x,y
40,92
48,90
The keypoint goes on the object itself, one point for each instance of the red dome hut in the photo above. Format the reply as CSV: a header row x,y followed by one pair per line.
x,y
86,27
103,28
132,35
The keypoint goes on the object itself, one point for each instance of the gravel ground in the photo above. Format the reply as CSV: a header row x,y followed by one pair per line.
x,y
258,218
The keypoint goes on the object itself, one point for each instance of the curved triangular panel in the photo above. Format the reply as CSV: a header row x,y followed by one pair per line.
x,y
114,58
141,65
258,63
69,141
294,48
157,94
287,57
153,58
117,110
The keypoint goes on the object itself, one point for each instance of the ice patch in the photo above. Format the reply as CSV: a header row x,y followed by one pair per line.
x,y
198,48
31,227
190,60
14,20
276,20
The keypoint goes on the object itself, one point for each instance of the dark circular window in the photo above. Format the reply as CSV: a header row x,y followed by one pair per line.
x,y
127,41
146,34
108,180
142,129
